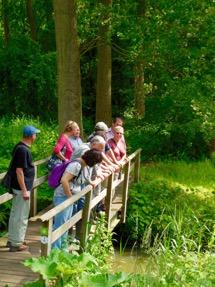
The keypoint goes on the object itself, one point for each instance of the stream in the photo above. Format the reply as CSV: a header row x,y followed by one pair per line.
x,y
129,262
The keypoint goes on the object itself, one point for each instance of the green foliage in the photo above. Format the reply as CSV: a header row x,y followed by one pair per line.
x,y
28,80
167,136
11,133
106,280
91,268
64,269
171,213
192,270
173,41
198,174
100,244
164,269
172,269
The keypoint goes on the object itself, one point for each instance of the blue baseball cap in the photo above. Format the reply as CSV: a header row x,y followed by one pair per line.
x,y
29,131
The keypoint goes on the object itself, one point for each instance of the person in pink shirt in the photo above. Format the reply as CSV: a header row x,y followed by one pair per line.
x,y
117,144
116,122
63,148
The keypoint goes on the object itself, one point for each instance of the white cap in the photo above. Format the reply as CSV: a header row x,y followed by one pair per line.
x,y
101,126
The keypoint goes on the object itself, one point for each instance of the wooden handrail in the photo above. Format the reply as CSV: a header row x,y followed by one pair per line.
x,y
38,181
133,161
2,175
57,209
41,161
134,154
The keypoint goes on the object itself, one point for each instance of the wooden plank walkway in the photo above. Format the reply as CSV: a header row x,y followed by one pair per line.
x,y
12,271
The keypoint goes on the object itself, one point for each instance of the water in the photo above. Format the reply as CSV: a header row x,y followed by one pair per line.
x,y
129,262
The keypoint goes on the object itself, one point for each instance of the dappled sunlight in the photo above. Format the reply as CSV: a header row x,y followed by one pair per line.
x,y
198,175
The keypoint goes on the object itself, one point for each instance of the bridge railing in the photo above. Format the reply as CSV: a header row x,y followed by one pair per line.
x,y
46,217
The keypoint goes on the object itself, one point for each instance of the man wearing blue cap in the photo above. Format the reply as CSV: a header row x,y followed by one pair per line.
x,y
22,173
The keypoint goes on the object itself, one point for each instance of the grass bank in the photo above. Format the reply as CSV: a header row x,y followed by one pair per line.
x,y
188,174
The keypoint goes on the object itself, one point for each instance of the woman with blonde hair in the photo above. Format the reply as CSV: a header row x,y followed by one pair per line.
x,y
63,149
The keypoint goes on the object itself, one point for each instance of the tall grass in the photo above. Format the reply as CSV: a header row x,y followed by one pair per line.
x,y
190,174
171,213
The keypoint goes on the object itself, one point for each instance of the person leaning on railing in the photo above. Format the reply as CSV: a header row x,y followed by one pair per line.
x,y
117,144
71,183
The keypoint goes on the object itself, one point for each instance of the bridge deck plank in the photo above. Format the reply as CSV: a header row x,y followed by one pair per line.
x,y
12,270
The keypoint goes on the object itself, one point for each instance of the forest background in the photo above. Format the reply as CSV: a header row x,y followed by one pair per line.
x,y
151,62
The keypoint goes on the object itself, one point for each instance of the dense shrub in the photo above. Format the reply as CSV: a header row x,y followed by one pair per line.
x,y
159,209
171,130
11,133
28,79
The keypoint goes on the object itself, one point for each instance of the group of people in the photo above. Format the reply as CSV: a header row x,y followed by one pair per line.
x,y
88,163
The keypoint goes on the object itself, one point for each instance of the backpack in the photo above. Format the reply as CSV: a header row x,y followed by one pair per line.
x,y
56,173
7,179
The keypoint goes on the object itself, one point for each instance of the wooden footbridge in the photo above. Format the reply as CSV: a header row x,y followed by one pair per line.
x,y
115,193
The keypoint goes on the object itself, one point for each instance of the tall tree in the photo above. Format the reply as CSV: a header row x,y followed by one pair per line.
x,y
68,62
139,95
104,67
5,21
31,19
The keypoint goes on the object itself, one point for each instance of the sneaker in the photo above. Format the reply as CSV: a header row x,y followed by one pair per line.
x,y
101,213
18,248
75,241
8,244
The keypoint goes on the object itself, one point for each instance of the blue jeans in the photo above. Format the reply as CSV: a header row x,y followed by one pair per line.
x,y
78,205
60,219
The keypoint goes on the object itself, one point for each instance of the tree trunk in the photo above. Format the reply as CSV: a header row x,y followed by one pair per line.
x,y
31,19
139,93
5,21
104,70
68,62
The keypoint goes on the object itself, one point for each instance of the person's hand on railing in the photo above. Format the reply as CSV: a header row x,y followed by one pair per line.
x,y
100,175
113,167
95,182
125,160
106,173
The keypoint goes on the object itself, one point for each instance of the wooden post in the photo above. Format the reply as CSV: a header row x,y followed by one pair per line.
x,y
33,209
108,201
125,191
137,168
85,218
46,237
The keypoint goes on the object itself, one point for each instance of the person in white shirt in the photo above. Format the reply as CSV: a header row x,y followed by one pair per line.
x,y
75,139
70,184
